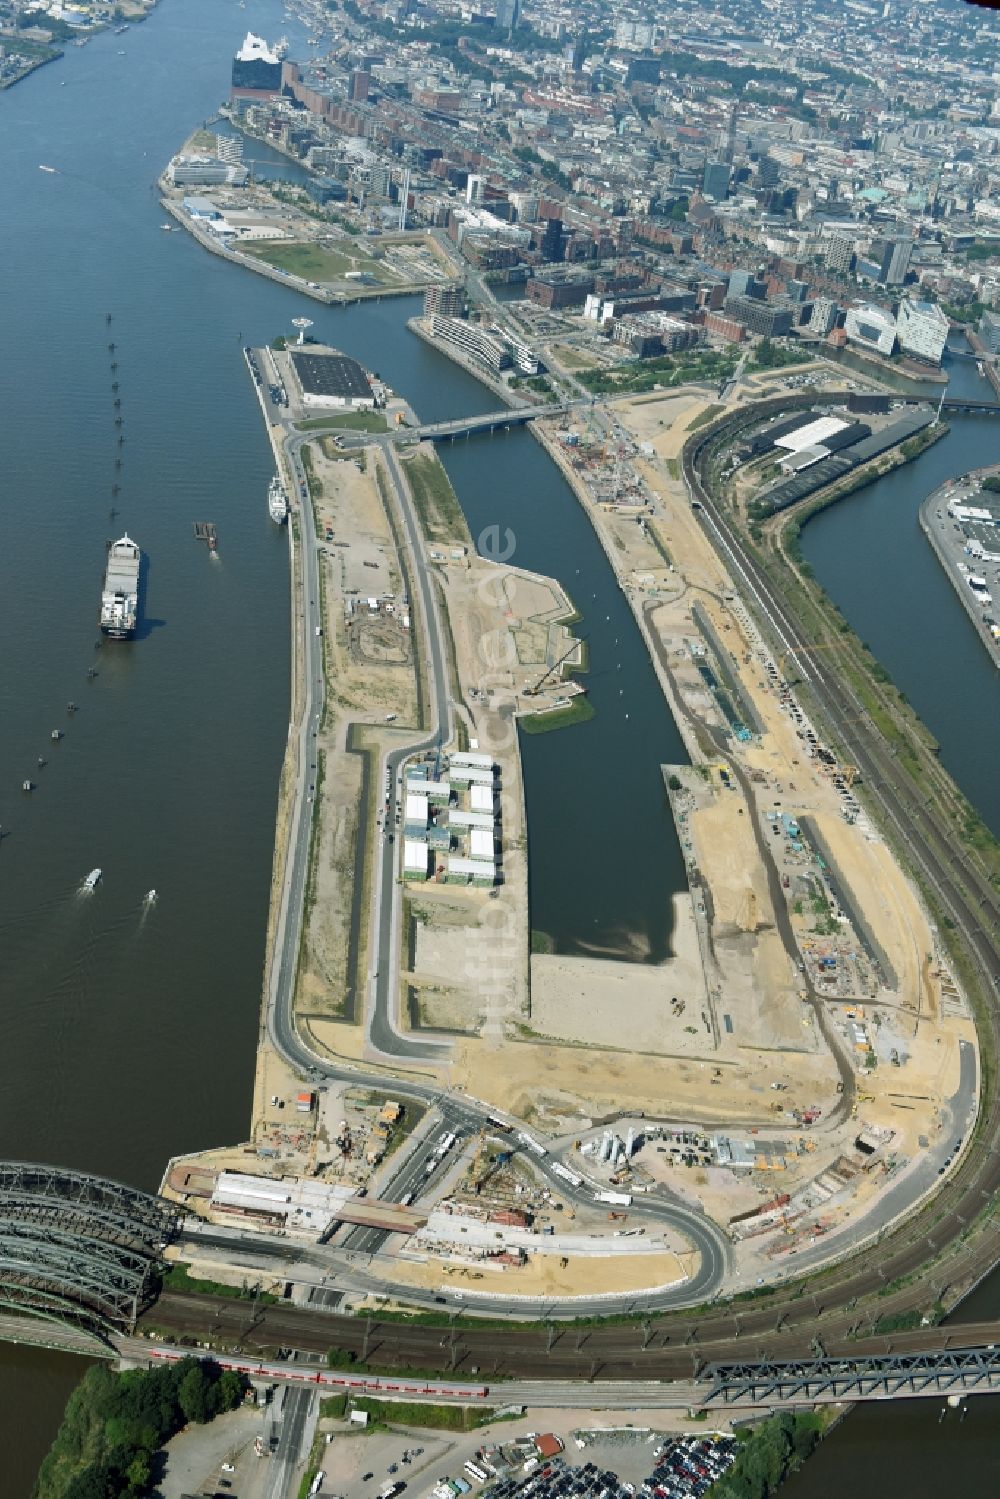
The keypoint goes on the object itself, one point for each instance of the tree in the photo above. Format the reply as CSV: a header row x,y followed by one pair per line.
x,y
139,1472
192,1395
230,1390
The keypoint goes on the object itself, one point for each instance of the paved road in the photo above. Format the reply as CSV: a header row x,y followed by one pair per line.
x,y
285,1467
383,1033
467,1114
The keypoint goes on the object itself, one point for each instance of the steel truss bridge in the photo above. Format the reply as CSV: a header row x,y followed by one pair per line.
x,y
78,1249
893,1376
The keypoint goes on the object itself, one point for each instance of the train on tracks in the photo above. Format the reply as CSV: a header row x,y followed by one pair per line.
x,y
358,1384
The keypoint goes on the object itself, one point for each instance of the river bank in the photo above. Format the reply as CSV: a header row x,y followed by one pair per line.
x,y
939,528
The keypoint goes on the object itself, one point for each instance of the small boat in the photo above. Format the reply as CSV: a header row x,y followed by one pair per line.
x,y
41,763
71,707
56,735
168,228
150,897
27,785
43,168
93,880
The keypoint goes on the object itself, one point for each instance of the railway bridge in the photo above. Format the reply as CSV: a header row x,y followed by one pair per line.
x,y
79,1250
893,1376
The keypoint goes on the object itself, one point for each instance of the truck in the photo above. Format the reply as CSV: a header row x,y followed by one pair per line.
x,y
619,1199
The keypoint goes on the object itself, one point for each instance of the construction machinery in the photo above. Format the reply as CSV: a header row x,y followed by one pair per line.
x,y
533,691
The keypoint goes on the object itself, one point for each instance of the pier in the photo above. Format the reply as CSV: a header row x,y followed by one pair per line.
x,y
948,540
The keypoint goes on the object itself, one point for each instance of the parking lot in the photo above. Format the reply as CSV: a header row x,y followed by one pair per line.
x,y
675,1469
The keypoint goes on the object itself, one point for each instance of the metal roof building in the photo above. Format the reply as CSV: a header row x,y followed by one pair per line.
x,y
459,819
416,808
812,435
329,379
481,845
416,858
464,775
481,798
480,871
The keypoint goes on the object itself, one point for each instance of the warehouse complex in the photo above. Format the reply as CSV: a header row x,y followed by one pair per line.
x,y
815,448
451,821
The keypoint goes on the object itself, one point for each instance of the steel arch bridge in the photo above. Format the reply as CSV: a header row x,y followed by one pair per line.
x,y
77,1248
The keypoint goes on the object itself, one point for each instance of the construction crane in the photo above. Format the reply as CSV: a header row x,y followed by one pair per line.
x,y
533,691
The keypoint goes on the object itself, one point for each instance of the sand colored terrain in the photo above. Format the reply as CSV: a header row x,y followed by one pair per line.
x,y
559,1087
544,1274
370,673
583,1000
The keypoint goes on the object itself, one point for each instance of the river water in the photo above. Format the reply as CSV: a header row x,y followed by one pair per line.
x,y
130,1036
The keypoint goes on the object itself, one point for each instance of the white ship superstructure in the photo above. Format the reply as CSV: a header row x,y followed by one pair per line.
x,y
277,502
120,595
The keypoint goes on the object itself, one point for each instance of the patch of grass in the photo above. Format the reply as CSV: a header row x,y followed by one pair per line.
x,y
314,262
441,516
541,941
333,1405
701,420
178,1278
416,1413
345,421
578,711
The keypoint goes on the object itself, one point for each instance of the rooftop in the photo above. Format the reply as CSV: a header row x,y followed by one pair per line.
x,y
332,375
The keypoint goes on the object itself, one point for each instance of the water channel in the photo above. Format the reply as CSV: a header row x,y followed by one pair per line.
x,y
129,1037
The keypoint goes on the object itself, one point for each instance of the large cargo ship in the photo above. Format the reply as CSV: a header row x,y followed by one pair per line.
x,y
120,595
277,502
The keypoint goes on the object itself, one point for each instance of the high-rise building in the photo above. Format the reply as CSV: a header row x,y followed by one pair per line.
x,y
872,327
448,301
768,318
360,83
989,331
474,188
839,252
229,147
715,182
923,330
579,52
552,240
893,258
508,14
768,171
256,71
823,316
746,284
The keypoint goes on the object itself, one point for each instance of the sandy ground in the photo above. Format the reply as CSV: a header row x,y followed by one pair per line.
x,y
369,673
544,1275
562,1088
583,1000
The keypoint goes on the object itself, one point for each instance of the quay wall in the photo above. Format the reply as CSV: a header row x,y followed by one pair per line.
x,y
934,531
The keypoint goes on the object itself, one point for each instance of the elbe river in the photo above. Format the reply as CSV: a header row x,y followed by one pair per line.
x,y
129,1036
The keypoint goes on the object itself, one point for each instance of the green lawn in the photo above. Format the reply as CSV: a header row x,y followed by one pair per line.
x,y
579,710
354,421
314,262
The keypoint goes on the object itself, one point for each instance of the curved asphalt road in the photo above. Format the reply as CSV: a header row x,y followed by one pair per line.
x,y
457,1112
